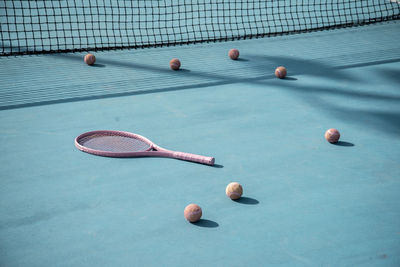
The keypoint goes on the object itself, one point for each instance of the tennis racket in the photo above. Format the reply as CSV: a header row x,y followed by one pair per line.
x,y
124,144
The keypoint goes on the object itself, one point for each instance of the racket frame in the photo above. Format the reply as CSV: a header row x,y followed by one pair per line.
x,y
153,150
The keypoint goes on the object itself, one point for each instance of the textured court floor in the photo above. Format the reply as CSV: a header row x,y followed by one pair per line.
x,y
307,203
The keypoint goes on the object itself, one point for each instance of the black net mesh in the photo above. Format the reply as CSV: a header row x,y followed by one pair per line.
x,y
29,27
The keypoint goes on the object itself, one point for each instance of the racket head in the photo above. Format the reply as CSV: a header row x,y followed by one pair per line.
x,y
113,143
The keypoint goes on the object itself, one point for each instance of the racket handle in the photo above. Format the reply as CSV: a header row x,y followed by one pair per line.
x,y
194,158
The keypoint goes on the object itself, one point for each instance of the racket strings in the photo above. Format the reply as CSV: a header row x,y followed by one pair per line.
x,y
114,143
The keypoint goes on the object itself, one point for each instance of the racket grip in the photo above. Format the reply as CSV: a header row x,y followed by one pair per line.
x,y
194,158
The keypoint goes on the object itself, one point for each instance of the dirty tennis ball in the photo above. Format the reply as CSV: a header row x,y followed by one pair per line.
x,y
234,190
175,64
233,53
332,136
192,213
280,72
90,59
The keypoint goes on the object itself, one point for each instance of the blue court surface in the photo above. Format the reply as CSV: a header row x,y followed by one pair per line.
x,y
306,202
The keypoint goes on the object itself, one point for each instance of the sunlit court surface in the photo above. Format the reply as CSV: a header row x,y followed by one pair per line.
x,y
304,199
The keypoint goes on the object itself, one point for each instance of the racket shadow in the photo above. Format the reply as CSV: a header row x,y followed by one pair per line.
x,y
218,166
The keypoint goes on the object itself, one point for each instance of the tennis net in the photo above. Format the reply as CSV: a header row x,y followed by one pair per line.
x,y
30,27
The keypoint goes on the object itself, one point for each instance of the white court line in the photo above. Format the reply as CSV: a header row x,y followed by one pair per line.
x,y
395,1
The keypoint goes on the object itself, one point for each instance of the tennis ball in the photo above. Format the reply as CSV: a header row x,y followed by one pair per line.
x,y
192,213
332,135
234,190
233,54
90,59
280,72
175,64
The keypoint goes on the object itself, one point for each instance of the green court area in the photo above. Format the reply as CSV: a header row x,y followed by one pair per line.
x,y
306,202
